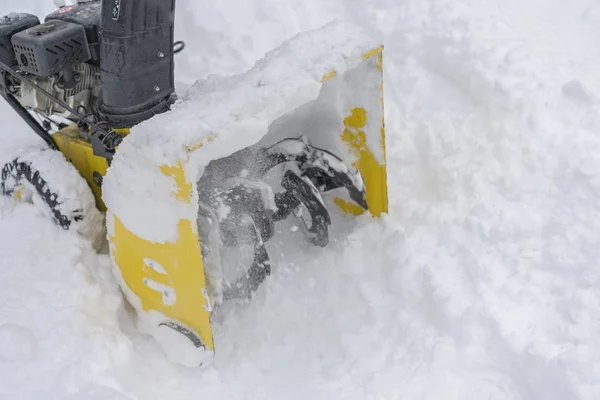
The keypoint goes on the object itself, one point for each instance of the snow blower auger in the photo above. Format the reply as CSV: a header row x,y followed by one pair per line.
x,y
185,180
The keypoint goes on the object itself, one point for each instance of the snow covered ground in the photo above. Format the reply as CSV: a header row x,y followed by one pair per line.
x,y
482,283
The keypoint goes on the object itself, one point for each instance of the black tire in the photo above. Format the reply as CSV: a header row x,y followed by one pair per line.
x,y
59,187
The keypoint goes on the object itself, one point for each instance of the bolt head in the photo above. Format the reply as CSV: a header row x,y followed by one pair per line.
x,y
157,88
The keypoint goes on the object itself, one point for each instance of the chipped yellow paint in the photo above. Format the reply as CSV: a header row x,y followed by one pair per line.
x,y
329,75
200,144
373,173
156,276
184,187
19,193
182,261
369,54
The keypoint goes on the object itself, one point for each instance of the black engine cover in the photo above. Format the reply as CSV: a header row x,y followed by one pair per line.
x,y
86,15
51,47
9,25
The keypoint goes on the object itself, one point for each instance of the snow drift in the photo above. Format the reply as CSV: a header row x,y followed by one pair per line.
x,y
481,283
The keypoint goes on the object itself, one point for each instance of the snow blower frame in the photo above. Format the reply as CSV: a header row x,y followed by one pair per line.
x,y
89,78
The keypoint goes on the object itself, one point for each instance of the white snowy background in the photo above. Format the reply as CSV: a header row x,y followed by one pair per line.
x,y
482,283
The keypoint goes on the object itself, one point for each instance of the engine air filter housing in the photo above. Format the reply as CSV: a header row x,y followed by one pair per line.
x,y
49,48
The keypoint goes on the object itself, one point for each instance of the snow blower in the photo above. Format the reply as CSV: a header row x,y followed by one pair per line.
x,y
182,179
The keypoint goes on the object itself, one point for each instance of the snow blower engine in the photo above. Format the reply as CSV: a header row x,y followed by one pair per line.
x,y
88,80
103,66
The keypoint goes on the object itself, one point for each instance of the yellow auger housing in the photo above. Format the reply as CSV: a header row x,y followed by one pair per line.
x,y
330,93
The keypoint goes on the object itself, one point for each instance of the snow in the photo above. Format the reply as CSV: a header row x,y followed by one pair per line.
x,y
58,322
482,283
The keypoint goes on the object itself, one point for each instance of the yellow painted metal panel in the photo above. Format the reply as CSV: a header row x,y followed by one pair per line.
x,y
181,265
374,172
79,152
184,273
